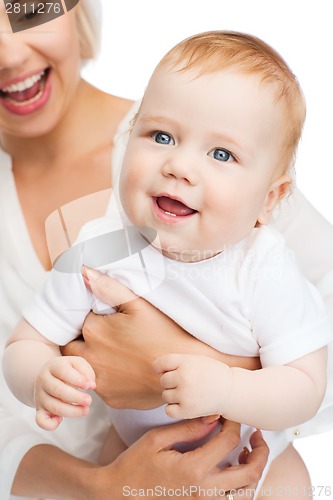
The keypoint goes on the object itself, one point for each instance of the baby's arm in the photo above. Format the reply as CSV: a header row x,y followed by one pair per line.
x,y
272,398
40,377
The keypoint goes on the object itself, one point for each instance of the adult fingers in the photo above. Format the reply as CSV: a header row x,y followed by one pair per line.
x,y
242,479
107,289
233,479
219,446
75,348
256,460
208,419
184,431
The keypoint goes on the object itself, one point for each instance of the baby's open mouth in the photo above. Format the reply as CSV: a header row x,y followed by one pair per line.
x,y
173,207
26,91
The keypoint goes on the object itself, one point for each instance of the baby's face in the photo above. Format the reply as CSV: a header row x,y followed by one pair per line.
x,y
201,160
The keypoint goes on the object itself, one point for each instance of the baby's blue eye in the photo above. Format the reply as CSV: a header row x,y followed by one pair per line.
x,y
221,155
163,138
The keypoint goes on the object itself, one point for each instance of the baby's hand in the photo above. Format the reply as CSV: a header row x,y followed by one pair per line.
x,y
194,385
57,391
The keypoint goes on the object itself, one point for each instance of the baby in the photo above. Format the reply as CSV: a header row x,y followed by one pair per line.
x,y
208,158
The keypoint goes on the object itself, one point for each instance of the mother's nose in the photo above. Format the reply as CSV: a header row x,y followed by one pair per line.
x,y
13,50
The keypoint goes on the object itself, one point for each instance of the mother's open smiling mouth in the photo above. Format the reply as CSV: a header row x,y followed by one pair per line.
x,y
27,95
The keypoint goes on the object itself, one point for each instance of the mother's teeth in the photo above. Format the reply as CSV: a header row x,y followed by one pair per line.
x,y
25,84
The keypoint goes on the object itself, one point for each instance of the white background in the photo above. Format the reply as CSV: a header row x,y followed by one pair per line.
x,y
135,35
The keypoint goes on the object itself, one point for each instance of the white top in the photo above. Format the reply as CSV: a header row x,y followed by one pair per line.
x,y
249,300
21,275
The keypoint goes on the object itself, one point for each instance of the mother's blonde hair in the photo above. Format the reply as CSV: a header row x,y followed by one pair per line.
x,y
88,20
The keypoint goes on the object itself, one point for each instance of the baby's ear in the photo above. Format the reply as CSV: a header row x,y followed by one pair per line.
x,y
275,193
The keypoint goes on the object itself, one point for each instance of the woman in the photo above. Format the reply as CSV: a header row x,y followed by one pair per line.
x,y
56,143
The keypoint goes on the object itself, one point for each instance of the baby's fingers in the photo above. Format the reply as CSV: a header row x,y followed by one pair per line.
x,y
53,387
170,396
169,380
168,362
76,372
47,421
173,407
54,406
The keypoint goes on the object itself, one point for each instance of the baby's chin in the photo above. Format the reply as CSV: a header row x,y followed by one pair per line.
x,y
185,255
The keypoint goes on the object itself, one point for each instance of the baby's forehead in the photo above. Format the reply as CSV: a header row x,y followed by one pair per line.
x,y
208,74
230,80
229,97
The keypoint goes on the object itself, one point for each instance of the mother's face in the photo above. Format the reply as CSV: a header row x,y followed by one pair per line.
x,y
39,74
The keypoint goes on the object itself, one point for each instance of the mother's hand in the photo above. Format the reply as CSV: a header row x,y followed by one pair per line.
x,y
191,472
121,347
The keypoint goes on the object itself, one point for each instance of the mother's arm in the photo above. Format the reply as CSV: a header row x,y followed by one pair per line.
x,y
46,471
122,347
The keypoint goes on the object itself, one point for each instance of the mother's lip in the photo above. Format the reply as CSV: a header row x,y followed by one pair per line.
x,y
23,85
21,78
23,103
